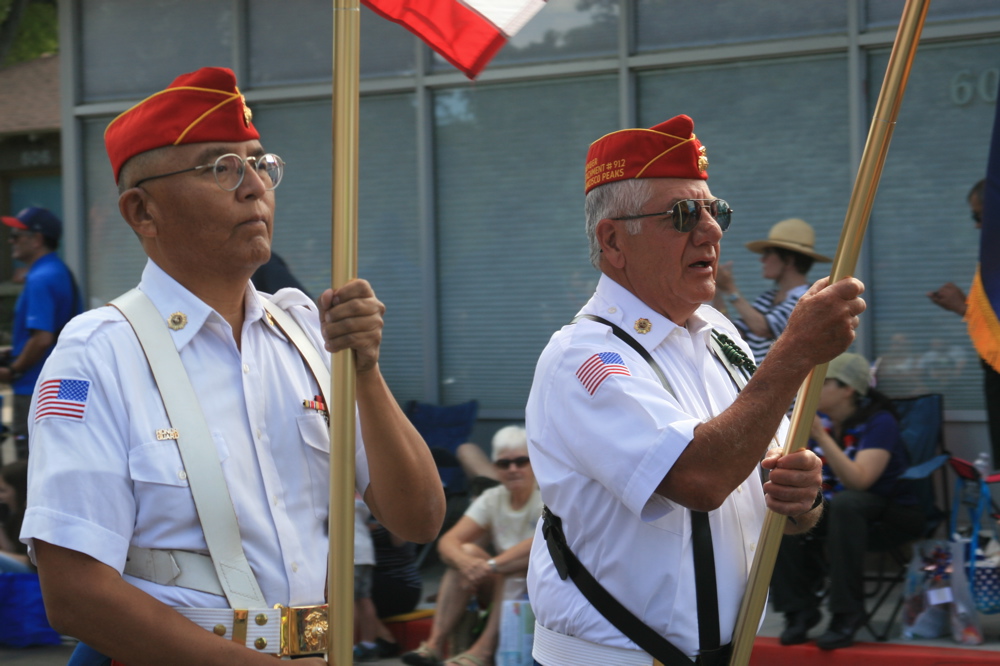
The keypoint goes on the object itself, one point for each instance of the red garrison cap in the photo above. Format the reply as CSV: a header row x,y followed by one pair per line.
x,y
197,107
668,150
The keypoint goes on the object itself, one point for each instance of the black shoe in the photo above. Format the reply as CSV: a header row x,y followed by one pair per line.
x,y
798,624
840,633
387,648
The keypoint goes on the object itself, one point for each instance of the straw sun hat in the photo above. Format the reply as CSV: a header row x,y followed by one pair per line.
x,y
792,234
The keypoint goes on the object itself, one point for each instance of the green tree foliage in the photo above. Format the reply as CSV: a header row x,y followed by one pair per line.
x,y
28,29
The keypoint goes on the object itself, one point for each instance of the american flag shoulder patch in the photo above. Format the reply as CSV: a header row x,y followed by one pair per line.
x,y
62,397
599,367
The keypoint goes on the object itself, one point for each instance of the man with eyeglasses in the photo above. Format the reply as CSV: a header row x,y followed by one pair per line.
x,y
48,300
648,424
180,479
950,296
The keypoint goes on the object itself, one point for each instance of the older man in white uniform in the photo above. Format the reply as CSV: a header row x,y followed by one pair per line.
x,y
624,461
109,479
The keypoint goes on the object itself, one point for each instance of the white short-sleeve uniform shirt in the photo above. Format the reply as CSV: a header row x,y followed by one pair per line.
x,y
600,444
99,480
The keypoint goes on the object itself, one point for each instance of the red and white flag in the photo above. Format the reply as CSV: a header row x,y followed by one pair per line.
x,y
466,33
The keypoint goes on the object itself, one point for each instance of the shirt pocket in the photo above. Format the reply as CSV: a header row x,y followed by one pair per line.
x,y
316,434
161,481
161,486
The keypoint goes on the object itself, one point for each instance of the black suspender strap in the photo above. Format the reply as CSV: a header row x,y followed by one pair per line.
x,y
704,582
706,590
623,620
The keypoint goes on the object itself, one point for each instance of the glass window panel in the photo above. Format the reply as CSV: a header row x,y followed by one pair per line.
x,y
513,261
886,13
132,49
297,46
777,148
939,150
388,248
301,134
290,42
562,30
114,256
387,48
665,24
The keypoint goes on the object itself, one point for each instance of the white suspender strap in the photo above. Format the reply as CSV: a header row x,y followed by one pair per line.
x,y
309,354
197,449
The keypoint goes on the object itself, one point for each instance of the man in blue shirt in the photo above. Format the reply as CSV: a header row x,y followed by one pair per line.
x,y
50,299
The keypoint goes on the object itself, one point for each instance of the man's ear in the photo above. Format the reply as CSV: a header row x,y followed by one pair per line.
x,y
137,208
609,237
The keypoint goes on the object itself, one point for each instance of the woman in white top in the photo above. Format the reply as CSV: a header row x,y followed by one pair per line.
x,y
504,517
786,256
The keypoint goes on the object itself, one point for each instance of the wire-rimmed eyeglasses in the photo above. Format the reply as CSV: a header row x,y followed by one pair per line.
x,y
230,168
687,212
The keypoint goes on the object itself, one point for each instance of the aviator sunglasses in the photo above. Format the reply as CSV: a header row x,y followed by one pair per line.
x,y
505,463
686,213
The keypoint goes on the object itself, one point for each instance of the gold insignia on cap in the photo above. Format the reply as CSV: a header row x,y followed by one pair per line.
x,y
177,321
702,159
643,326
247,113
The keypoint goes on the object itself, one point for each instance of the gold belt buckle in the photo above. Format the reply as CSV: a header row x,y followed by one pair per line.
x,y
303,630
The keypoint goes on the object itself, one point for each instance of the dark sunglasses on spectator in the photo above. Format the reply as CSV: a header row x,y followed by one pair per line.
x,y
504,463
686,213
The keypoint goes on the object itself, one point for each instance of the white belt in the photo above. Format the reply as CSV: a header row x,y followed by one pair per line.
x,y
282,631
552,648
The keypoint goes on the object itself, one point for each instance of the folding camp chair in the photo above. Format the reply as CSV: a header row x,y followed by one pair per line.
x,y
921,420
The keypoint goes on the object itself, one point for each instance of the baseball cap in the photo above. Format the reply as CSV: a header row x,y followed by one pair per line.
x,y
853,370
35,219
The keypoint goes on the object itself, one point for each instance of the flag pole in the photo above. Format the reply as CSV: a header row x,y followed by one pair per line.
x,y
856,221
344,258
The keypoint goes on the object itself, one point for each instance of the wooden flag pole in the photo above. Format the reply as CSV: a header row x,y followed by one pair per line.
x,y
344,257
862,197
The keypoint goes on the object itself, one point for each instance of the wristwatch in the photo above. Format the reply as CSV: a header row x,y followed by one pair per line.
x,y
734,296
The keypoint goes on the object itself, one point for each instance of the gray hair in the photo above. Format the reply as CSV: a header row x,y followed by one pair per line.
x,y
617,199
509,438
134,165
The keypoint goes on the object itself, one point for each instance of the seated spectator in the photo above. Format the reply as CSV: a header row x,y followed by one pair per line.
x,y
396,583
863,456
14,496
506,515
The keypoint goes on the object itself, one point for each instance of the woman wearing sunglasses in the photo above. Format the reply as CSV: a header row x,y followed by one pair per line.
x,y
786,256
503,518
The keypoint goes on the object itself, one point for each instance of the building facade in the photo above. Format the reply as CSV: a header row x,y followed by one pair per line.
x,y
471,193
